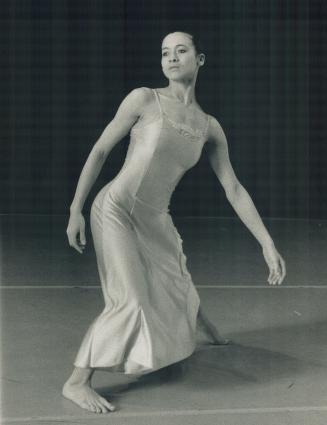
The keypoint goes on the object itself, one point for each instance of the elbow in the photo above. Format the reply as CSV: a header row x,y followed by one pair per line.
x,y
99,153
232,192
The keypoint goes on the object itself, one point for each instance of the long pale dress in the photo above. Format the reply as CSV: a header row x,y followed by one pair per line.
x,y
151,303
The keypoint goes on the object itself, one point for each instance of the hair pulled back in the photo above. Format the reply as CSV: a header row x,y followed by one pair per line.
x,y
195,37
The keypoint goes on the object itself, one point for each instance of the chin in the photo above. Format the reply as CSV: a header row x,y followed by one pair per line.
x,y
176,76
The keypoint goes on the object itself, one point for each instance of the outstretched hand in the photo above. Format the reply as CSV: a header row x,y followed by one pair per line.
x,y
76,231
276,265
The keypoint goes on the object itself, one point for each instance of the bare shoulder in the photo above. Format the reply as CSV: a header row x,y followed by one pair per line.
x,y
140,95
140,98
133,105
216,134
143,94
128,113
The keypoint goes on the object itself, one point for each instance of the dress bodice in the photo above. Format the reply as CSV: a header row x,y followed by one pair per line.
x,y
158,155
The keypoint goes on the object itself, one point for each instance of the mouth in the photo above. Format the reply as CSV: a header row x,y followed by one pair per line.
x,y
174,67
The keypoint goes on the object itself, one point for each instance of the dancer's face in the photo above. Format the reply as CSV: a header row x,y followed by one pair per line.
x,y
178,50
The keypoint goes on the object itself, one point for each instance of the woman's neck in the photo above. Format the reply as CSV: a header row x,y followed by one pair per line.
x,y
182,93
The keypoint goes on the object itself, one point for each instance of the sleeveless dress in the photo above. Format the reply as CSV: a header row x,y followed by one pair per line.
x,y
151,303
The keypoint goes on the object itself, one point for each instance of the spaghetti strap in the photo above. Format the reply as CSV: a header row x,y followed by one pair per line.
x,y
179,126
205,134
158,101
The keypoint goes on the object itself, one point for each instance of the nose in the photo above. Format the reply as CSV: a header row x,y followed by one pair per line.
x,y
173,61
173,58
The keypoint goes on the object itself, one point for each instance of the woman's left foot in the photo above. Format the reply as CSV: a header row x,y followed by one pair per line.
x,y
221,341
216,338
210,330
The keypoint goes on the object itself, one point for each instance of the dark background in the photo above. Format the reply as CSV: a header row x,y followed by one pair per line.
x,y
67,65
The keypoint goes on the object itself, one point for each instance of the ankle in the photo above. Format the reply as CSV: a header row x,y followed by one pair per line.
x,y
80,376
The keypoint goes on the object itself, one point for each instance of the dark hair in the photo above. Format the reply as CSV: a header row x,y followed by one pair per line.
x,y
194,36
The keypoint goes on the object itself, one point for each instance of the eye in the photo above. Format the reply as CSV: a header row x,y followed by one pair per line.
x,y
180,50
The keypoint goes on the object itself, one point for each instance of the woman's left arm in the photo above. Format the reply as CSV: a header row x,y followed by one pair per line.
x,y
241,200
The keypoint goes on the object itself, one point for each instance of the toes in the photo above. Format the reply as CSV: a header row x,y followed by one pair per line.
x,y
102,408
89,400
93,407
96,408
85,406
107,404
88,406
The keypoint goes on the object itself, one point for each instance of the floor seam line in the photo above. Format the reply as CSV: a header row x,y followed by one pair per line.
x,y
197,286
178,413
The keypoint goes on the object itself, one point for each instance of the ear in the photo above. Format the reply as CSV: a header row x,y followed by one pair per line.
x,y
201,58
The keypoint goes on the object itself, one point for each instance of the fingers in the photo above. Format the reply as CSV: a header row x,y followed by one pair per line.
x,y
281,272
74,244
277,272
76,232
82,233
82,241
283,266
273,275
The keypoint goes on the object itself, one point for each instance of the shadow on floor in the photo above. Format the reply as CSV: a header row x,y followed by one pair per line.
x,y
236,365
229,366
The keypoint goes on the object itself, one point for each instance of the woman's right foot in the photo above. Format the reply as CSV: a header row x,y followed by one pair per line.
x,y
84,396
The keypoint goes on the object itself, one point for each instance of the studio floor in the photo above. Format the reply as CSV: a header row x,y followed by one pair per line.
x,y
273,372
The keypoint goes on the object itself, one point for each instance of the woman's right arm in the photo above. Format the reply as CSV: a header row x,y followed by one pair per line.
x,y
127,114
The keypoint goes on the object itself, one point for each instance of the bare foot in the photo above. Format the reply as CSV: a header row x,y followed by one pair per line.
x,y
220,340
84,396
210,329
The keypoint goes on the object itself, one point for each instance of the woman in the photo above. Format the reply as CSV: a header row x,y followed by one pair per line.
x,y
151,305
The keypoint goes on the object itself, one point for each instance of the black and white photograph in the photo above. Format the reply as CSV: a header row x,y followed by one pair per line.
x,y
163,212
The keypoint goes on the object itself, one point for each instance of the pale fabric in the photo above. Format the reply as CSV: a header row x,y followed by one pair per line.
x,y
151,303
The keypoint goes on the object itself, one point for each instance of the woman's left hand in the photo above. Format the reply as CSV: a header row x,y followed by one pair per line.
x,y
276,264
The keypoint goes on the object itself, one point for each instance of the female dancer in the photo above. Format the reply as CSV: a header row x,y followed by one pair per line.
x,y
151,305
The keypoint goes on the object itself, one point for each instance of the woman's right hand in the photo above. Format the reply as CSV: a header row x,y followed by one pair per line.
x,y
76,231
276,264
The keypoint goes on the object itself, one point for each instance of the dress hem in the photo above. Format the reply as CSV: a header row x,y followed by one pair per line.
x,y
119,367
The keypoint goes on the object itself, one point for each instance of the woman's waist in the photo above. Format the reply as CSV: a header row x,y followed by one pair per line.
x,y
126,189
121,196
149,202
130,201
